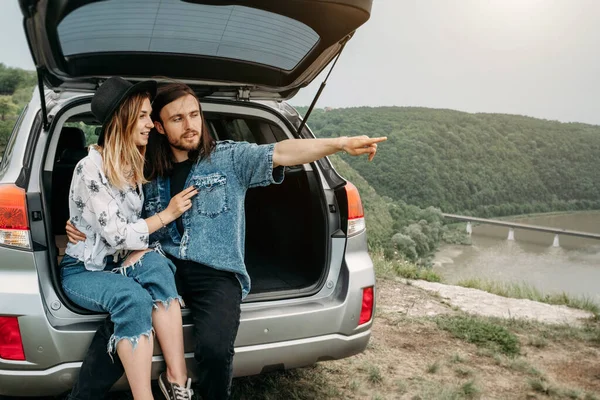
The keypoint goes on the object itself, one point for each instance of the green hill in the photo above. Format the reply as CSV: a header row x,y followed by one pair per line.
x,y
482,164
401,230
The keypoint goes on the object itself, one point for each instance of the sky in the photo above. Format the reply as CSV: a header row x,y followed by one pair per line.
x,y
539,58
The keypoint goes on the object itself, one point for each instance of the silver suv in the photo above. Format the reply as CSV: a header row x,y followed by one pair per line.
x,y
306,251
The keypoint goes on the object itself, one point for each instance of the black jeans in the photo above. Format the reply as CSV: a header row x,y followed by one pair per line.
x,y
213,298
98,372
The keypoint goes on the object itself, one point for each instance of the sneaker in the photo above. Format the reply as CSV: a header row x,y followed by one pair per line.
x,y
173,391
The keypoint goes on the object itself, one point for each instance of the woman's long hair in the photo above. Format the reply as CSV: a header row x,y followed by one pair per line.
x,y
123,159
159,157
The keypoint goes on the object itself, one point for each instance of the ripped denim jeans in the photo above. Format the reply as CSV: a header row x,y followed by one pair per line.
x,y
129,294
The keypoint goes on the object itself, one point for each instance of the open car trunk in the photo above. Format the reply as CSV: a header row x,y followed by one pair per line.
x,y
286,224
285,235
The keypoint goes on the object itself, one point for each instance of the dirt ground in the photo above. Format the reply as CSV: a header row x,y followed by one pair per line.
x,y
410,357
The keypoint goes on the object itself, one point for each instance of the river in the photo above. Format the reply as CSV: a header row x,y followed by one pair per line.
x,y
573,267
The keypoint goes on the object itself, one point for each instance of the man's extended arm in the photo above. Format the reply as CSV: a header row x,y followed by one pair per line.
x,y
300,151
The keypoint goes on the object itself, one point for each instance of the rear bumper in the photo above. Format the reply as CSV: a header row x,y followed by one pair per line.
x,y
249,360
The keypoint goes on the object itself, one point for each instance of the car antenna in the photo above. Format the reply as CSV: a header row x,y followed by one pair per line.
x,y
312,104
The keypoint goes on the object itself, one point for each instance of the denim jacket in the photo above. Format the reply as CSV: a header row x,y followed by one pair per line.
x,y
215,226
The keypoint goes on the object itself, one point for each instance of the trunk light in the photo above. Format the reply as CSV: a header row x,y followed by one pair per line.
x,y
356,213
11,346
14,227
366,311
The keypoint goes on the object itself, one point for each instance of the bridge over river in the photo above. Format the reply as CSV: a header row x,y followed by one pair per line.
x,y
515,225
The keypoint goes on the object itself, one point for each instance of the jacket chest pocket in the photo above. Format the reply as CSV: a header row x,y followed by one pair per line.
x,y
211,199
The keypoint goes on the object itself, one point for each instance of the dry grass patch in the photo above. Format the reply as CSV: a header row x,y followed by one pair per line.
x,y
481,332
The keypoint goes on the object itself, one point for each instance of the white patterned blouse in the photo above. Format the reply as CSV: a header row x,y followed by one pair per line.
x,y
108,216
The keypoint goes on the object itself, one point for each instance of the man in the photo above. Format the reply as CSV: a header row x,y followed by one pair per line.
x,y
207,243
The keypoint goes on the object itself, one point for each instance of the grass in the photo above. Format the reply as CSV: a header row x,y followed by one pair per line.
x,y
541,385
457,358
469,389
374,374
433,368
481,332
431,390
538,331
401,386
412,271
538,341
398,268
462,372
526,291
354,386
523,366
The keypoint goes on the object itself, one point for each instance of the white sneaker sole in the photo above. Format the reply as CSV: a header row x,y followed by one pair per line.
x,y
163,389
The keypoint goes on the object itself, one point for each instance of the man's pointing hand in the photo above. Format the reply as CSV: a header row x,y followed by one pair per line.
x,y
358,145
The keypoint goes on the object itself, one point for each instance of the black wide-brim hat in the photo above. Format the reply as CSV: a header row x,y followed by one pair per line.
x,y
112,93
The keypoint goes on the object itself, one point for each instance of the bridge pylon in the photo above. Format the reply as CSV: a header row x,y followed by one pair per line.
x,y
511,234
556,243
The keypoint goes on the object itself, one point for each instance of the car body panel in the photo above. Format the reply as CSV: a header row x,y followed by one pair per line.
x,y
249,360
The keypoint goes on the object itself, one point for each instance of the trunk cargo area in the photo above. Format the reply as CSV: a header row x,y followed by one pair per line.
x,y
286,225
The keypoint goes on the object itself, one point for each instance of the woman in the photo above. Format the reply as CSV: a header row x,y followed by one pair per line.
x,y
114,270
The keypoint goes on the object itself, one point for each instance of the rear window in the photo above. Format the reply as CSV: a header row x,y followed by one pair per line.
x,y
175,26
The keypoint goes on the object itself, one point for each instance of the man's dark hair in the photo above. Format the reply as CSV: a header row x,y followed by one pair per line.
x,y
159,157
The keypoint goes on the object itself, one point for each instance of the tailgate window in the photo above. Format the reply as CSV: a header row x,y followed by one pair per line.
x,y
174,26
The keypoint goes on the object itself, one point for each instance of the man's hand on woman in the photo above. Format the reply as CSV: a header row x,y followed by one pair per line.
x,y
73,233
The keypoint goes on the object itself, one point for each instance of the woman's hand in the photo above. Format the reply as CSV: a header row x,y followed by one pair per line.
x,y
73,233
180,203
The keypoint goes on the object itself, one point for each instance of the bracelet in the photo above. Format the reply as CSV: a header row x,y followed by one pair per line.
x,y
161,220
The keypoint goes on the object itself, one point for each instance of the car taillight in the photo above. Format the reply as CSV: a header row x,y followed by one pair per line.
x,y
356,213
14,227
11,346
366,312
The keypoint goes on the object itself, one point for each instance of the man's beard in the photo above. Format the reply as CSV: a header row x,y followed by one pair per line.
x,y
180,145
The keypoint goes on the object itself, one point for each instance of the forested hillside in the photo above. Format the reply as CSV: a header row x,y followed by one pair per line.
x,y
482,164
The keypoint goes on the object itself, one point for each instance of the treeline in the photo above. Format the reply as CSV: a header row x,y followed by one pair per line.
x,y
479,164
16,87
12,79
